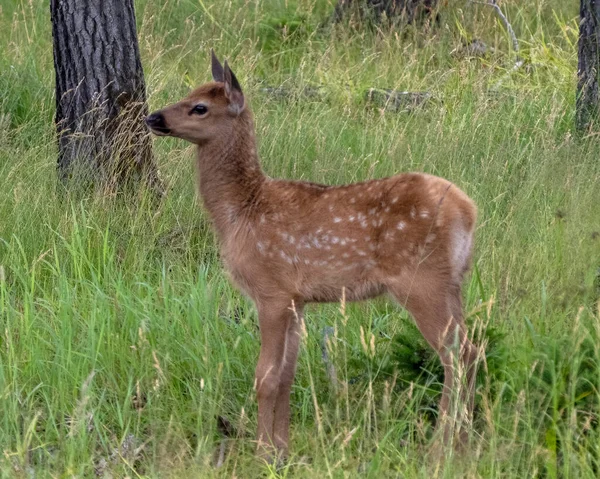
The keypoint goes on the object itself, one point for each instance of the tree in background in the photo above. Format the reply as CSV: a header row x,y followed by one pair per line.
x,y
409,11
588,99
100,92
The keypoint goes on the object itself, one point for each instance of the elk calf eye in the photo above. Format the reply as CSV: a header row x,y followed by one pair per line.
x,y
200,110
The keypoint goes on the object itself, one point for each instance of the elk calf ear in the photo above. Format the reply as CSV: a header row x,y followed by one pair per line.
x,y
217,68
233,91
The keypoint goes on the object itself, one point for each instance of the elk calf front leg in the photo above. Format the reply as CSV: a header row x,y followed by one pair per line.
x,y
274,319
288,371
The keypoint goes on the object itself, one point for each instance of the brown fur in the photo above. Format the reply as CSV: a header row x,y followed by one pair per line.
x,y
288,243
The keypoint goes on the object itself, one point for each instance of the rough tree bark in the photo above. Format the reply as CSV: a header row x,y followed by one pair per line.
x,y
588,97
100,92
409,11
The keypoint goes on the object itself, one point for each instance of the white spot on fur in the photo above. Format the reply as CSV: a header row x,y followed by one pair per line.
x,y
303,243
288,237
413,212
395,200
351,218
335,240
284,256
337,220
401,225
424,214
372,211
363,223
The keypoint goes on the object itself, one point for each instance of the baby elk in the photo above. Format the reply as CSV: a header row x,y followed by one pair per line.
x,y
289,243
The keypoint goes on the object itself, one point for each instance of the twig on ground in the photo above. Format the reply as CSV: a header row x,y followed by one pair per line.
x,y
328,332
227,431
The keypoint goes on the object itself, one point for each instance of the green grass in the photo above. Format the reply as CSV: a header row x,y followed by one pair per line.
x,y
120,330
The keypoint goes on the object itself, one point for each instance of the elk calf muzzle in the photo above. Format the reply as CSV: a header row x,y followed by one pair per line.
x,y
156,122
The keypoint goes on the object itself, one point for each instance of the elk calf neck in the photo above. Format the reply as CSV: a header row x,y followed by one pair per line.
x,y
288,243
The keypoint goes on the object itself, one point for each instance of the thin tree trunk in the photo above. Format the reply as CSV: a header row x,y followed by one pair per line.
x,y
100,92
588,98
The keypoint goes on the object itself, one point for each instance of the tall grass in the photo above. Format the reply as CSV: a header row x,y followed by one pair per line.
x,y
122,340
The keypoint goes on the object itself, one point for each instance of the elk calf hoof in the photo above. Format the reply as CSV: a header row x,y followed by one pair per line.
x,y
271,455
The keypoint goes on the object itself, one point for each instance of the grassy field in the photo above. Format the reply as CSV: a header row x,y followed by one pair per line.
x,y
121,340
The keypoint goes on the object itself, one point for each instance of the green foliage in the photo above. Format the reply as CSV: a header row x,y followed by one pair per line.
x,y
409,358
283,32
122,340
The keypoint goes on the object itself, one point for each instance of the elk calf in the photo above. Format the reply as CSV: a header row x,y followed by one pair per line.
x,y
289,243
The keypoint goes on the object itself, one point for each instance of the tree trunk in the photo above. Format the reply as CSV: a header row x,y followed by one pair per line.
x,y
100,92
589,62
409,11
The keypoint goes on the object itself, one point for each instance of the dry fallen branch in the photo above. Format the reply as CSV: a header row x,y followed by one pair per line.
x,y
398,101
519,61
500,13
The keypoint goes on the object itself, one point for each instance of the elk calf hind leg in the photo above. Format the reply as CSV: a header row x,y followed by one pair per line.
x,y
434,316
466,360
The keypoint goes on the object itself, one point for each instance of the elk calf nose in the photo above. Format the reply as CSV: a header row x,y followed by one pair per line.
x,y
156,122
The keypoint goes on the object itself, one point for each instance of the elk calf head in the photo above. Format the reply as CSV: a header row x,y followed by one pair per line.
x,y
207,113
